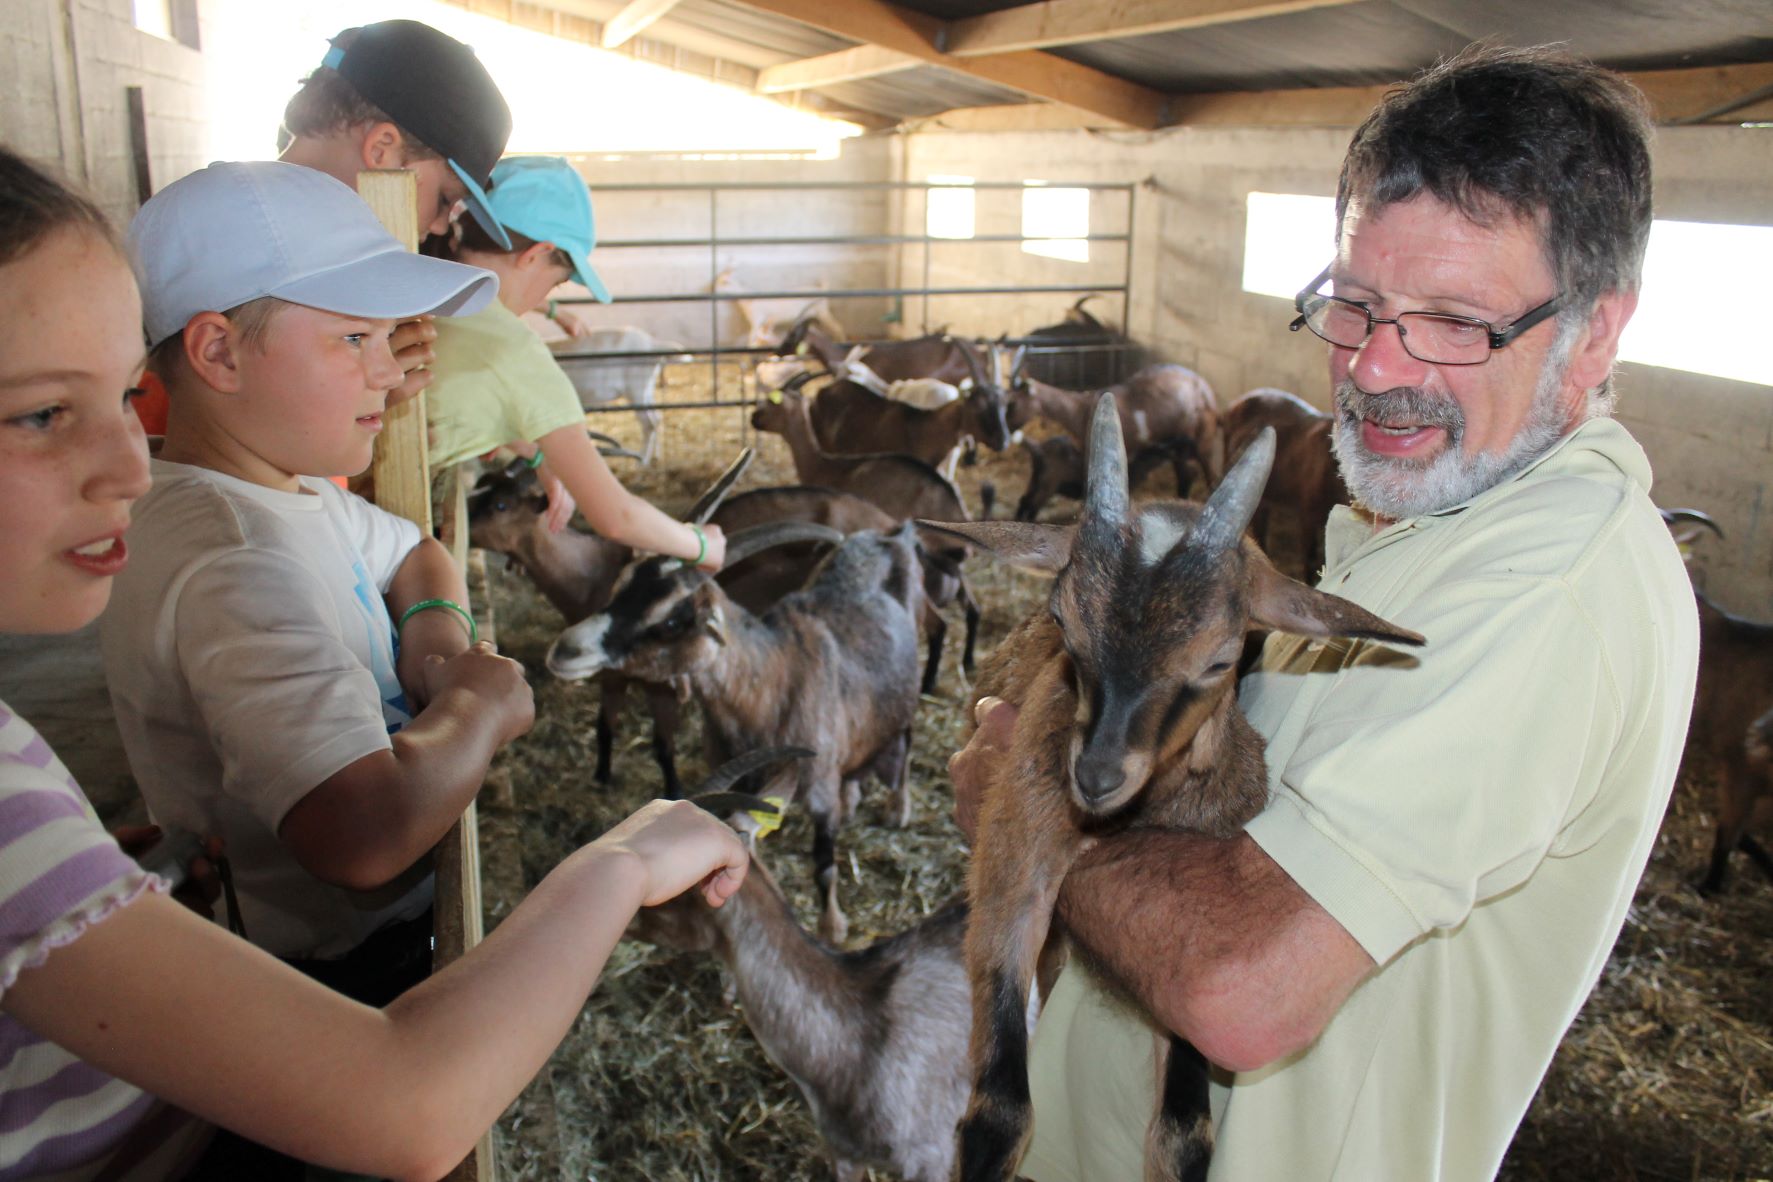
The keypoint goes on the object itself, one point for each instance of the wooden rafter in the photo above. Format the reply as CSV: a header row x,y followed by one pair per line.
x,y
1041,75
635,16
846,65
1072,22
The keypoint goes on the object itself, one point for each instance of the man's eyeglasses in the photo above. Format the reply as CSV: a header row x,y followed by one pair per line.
x,y
1438,338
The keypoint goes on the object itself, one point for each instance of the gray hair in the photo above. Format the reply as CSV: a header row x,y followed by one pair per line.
x,y
1533,134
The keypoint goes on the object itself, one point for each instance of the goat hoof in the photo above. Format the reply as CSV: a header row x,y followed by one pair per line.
x,y
834,927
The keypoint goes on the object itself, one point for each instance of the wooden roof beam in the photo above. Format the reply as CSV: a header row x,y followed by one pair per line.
x,y
1041,75
634,18
1074,22
846,65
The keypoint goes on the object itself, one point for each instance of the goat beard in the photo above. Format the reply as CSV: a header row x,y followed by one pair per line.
x,y
1402,488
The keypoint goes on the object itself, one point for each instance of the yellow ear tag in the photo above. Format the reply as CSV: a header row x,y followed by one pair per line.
x,y
802,349
768,822
776,397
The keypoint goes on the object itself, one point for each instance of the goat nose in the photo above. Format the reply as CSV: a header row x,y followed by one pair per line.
x,y
1098,778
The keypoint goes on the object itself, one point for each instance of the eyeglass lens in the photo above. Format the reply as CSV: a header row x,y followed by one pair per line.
x,y
1427,336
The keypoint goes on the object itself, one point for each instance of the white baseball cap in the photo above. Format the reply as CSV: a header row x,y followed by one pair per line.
x,y
231,233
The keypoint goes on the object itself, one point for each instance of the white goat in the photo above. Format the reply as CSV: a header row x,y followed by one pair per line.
x,y
602,377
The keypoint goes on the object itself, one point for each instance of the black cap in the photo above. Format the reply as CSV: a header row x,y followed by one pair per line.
x,y
434,87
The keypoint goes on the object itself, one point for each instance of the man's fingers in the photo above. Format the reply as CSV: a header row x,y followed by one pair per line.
x,y
997,721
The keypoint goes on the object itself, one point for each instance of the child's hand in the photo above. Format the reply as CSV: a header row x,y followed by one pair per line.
x,y
716,556
496,682
679,846
411,343
560,502
571,324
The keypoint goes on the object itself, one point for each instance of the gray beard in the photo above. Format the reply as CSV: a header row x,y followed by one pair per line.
x,y
1402,488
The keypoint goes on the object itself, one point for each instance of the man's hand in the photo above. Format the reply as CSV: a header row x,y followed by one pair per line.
x,y
970,768
495,683
201,886
412,344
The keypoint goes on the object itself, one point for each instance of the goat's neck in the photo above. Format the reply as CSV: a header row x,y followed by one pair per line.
x,y
1071,409
811,464
800,999
741,686
1217,782
570,568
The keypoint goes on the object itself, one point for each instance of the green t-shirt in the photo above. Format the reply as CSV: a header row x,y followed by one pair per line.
x,y
495,383
1475,813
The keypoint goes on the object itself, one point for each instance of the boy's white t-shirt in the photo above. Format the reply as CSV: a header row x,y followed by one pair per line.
x,y
250,656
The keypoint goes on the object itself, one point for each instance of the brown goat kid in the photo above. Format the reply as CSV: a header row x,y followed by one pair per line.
x,y
938,355
874,1039
1306,482
849,419
1128,718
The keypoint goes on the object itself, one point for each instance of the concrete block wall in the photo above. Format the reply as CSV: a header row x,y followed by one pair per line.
x,y
65,66
749,214
1710,439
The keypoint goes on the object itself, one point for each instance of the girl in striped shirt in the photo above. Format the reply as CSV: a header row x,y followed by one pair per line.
x,y
111,993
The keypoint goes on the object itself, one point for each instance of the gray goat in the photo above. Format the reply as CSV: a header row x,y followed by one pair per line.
x,y
833,667
875,1039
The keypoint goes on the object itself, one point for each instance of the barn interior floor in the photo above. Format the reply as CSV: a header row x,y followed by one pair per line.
x,y
1668,1073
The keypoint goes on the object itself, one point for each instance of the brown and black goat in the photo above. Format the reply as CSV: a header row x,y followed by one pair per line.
x,y
832,667
1129,717
875,1039
1306,482
576,572
846,513
1735,687
1167,413
1055,469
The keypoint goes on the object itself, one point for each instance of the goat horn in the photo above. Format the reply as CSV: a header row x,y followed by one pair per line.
x,y
719,782
966,352
1105,491
619,453
600,437
1674,517
747,542
710,501
1233,503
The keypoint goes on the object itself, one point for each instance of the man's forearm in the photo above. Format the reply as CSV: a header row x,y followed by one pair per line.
x,y
1213,939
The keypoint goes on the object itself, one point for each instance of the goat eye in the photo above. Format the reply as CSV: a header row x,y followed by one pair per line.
x,y
1218,667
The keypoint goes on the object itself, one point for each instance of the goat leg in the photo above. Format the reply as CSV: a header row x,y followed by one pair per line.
x,y
1179,1141
824,804
937,629
971,607
1014,886
609,709
662,701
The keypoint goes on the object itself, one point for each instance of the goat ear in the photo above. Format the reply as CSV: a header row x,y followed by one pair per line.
x,y
1030,544
1287,605
716,625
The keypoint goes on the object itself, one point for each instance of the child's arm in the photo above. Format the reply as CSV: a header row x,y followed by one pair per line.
x,y
177,1006
615,512
427,572
365,824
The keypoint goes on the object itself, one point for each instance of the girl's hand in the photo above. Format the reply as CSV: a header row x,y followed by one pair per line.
x,y
716,555
679,846
560,502
570,324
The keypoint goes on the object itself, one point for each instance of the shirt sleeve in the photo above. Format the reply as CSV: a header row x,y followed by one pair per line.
x,y
285,702
542,399
1423,787
60,872
383,538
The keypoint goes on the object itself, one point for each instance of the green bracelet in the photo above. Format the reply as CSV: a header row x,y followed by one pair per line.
x,y
535,461
448,604
553,307
701,545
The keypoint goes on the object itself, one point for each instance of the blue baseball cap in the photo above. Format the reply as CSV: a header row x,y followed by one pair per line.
x,y
544,198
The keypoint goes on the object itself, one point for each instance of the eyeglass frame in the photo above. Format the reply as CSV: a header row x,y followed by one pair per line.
x,y
1499,337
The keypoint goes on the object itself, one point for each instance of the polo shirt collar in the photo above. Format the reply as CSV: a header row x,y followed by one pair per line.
x,y
1600,440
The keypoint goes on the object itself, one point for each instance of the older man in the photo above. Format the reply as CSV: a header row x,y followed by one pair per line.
x,y
1383,964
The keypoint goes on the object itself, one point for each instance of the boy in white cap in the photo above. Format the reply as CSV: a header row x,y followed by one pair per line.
x,y
291,667
496,384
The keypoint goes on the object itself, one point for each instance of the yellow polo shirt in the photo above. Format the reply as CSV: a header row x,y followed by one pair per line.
x,y
495,383
1476,814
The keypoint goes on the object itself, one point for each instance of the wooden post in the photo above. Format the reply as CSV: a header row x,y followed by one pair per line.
x,y
403,486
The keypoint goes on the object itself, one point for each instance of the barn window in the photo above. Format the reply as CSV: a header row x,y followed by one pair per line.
x,y
1703,302
154,16
1702,298
1285,237
1056,222
948,212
